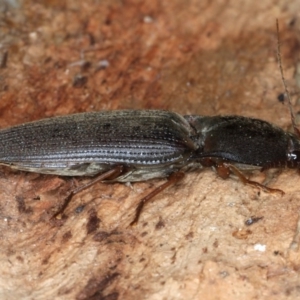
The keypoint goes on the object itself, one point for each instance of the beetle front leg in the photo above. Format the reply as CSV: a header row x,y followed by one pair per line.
x,y
231,168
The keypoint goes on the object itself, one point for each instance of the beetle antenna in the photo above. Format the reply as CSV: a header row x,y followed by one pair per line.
x,y
296,129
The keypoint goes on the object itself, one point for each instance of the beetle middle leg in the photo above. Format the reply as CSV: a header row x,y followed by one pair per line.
x,y
173,178
112,173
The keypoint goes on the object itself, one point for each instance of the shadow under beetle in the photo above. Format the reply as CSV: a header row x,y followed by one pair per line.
x,y
139,145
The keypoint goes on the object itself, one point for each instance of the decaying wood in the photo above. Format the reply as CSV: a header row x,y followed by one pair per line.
x,y
192,57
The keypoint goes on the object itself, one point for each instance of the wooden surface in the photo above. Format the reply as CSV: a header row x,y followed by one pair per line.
x,y
192,57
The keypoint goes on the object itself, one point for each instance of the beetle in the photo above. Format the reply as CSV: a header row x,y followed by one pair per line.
x,y
139,145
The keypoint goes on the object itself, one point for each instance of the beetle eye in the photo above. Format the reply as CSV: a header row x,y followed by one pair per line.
x,y
292,156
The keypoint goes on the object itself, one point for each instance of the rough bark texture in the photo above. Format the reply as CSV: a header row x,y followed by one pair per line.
x,y
192,57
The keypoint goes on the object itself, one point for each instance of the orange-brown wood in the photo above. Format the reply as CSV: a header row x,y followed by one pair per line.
x,y
192,57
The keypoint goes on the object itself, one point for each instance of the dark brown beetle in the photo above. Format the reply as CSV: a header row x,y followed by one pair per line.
x,y
138,145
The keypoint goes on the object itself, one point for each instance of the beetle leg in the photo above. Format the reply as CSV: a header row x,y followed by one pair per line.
x,y
244,180
223,170
173,178
112,173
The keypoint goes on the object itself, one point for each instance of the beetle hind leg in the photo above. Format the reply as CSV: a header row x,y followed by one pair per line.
x,y
110,174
